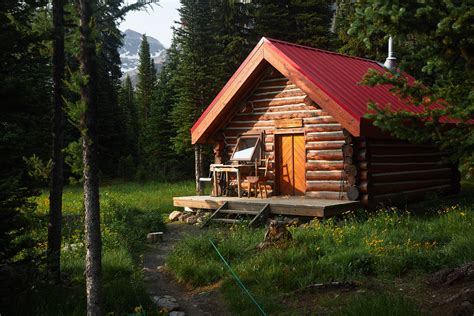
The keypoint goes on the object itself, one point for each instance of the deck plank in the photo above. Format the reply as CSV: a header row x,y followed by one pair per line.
x,y
294,206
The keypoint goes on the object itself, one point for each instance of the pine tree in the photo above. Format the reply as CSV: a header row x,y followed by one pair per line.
x,y
56,184
306,22
433,42
25,94
111,130
161,158
130,116
144,82
88,127
197,71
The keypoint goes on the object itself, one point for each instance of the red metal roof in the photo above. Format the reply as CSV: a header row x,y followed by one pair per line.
x,y
338,76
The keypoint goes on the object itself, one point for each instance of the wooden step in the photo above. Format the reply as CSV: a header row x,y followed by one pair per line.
x,y
239,212
261,216
226,220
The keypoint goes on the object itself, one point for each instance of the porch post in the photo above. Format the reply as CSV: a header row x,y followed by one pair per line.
x,y
198,168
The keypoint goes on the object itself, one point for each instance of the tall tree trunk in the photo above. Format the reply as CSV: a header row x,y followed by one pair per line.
x,y
88,126
56,184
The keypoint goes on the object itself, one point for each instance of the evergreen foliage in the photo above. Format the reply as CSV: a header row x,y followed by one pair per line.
x,y
24,131
144,83
130,116
434,42
304,22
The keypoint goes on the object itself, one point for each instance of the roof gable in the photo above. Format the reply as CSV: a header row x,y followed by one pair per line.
x,y
330,79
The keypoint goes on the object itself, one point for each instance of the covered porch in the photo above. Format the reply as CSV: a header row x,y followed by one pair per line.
x,y
278,205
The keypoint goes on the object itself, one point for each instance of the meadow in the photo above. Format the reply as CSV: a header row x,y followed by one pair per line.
x,y
129,211
371,250
368,249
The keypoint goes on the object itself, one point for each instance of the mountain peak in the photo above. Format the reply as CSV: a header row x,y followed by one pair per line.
x,y
131,33
131,46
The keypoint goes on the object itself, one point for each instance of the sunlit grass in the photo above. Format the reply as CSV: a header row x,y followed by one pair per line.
x,y
156,196
389,243
128,212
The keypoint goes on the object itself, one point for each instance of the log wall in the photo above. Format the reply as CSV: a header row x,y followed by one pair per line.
x,y
338,165
389,171
275,99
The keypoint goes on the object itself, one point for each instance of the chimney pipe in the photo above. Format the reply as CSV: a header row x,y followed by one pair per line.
x,y
391,61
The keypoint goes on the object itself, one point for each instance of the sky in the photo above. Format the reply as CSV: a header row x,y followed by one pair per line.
x,y
155,21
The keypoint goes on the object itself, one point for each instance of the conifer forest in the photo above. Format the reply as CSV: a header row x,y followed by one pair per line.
x,y
71,119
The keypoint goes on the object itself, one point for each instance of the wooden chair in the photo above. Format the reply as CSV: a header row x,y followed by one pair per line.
x,y
258,181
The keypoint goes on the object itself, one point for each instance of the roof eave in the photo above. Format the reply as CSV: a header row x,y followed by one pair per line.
x,y
266,52
200,130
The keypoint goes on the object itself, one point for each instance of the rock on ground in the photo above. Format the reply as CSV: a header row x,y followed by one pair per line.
x,y
174,215
166,301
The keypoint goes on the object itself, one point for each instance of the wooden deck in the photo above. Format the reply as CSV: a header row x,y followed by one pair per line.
x,y
281,205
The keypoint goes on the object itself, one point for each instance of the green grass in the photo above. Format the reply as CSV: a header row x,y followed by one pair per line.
x,y
151,196
358,246
128,212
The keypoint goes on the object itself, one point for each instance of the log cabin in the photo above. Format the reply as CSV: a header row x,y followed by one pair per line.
x,y
307,107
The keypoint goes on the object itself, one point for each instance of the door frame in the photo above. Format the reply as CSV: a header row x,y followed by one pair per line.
x,y
277,155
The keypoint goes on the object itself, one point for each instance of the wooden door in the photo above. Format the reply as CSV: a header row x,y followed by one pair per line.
x,y
291,163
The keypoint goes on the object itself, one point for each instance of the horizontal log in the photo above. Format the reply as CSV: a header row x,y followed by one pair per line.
x,y
392,142
378,167
442,173
392,187
313,137
363,165
267,102
323,166
322,128
277,94
388,144
405,196
327,195
324,145
250,125
284,108
322,118
270,116
325,185
363,175
324,154
421,157
336,175
387,150
237,132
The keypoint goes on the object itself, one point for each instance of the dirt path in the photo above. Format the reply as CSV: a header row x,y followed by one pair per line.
x,y
159,282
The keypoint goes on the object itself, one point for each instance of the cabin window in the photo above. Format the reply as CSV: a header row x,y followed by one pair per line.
x,y
248,148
